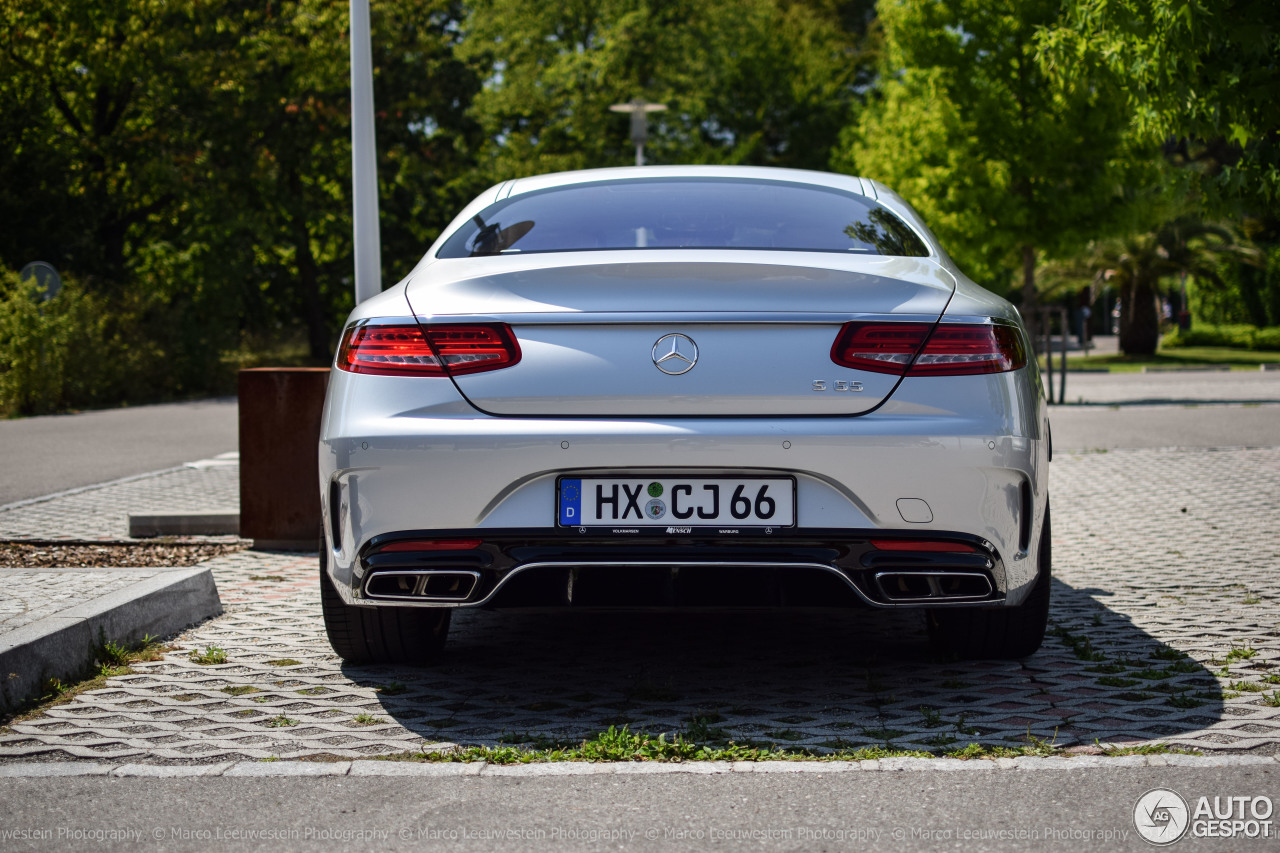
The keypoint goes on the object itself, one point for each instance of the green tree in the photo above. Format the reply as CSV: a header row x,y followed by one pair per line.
x,y
751,82
190,159
1004,162
1135,266
1203,74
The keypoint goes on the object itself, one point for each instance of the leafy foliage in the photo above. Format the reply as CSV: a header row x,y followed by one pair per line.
x,y
753,82
1000,158
1201,73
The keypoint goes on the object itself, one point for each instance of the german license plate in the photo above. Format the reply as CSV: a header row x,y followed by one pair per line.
x,y
676,501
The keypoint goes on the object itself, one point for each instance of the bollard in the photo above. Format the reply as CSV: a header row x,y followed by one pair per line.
x,y
280,411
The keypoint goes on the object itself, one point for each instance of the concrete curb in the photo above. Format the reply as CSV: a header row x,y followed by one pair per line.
x,y
260,769
217,522
61,645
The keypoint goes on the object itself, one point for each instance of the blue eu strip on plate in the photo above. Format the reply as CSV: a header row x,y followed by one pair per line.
x,y
570,502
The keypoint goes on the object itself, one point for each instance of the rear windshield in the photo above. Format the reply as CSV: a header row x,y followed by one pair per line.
x,y
664,213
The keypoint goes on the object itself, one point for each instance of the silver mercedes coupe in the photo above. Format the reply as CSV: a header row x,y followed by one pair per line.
x,y
685,387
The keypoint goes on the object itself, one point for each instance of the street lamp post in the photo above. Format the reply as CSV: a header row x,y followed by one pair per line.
x,y
364,158
639,109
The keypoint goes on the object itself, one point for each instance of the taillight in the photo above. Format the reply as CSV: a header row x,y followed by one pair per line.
x,y
956,349
879,347
948,349
403,350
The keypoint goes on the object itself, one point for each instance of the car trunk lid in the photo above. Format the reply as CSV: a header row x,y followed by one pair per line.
x,y
682,338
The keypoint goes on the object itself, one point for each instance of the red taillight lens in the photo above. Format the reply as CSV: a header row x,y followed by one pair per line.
x,y
403,350
948,349
879,347
431,545
955,350
921,545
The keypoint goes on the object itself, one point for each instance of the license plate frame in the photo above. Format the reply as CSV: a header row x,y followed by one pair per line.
x,y
702,502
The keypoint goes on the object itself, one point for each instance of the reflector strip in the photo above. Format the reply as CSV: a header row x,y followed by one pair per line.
x,y
932,546
431,545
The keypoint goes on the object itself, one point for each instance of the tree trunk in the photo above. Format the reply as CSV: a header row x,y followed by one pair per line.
x,y
1139,318
313,314
1030,304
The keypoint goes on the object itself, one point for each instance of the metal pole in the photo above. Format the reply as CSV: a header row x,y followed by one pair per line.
x,y
364,158
639,153
1062,380
1043,319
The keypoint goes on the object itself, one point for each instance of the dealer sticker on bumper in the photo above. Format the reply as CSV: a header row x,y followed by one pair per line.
x,y
608,502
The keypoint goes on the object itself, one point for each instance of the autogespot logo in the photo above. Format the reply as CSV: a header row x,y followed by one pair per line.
x,y
1161,816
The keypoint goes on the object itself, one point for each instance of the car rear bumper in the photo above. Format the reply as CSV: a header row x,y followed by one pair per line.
x,y
970,470
557,568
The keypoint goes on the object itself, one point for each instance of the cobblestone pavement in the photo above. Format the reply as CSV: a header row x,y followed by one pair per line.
x,y
101,513
27,596
1165,627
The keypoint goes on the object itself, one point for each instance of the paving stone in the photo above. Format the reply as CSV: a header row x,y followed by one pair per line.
x,y
102,512
50,769
550,768
289,768
416,768
1165,628
172,771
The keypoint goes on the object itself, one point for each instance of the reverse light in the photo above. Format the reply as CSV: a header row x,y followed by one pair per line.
x,y
923,349
404,350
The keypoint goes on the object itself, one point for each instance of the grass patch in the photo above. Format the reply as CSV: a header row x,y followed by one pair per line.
x,y
1082,647
211,656
110,659
280,721
271,578
1242,652
240,690
366,720
1235,358
1247,687
394,688
284,662
622,744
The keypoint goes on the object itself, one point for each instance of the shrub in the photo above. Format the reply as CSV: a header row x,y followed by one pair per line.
x,y
1239,336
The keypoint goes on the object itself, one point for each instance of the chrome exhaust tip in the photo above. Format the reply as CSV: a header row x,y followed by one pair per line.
x,y
945,586
421,585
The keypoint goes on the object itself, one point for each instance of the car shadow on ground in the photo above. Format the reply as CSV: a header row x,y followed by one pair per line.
x,y
817,680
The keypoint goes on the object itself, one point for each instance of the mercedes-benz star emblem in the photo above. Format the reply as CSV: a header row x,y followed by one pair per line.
x,y
675,354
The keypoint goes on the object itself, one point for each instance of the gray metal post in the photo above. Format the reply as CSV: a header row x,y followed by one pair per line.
x,y
364,158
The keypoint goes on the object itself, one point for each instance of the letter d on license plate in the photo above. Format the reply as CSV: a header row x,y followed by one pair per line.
x,y
663,501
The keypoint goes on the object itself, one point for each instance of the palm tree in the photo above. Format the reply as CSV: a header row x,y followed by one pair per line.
x,y
1134,266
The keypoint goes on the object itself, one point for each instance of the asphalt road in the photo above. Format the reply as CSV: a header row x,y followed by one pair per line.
x,y
907,811
53,453
1116,426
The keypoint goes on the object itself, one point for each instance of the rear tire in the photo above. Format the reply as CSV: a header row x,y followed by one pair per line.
x,y
1001,633
414,635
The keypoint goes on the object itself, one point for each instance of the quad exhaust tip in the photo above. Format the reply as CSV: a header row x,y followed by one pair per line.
x,y
422,585
946,586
